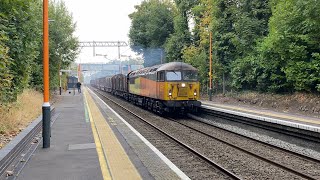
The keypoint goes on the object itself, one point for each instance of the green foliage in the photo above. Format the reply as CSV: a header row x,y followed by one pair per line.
x,y
264,45
174,46
151,24
291,47
224,48
237,26
251,24
305,76
63,45
198,58
245,72
191,47
181,37
21,45
5,61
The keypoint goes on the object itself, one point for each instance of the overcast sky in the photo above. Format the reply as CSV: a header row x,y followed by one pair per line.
x,y
102,20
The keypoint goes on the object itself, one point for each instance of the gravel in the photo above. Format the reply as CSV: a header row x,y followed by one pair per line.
x,y
5,139
269,152
238,162
265,136
191,165
242,164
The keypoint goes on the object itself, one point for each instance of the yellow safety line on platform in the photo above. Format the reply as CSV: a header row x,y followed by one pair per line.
x,y
265,113
102,160
118,161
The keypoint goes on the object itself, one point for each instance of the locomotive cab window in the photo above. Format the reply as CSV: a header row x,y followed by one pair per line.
x,y
173,76
190,75
161,76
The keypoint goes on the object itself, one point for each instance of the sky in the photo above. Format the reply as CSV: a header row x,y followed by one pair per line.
x,y
102,20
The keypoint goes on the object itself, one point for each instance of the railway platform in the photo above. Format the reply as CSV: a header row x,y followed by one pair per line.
x,y
259,114
72,153
90,141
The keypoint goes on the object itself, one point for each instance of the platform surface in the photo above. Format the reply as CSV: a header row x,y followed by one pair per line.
x,y
91,141
72,154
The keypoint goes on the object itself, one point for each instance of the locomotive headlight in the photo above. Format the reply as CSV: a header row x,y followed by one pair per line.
x,y
183,85
195,93
170,93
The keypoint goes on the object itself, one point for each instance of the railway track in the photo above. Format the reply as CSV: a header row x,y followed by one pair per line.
x,y
277,128
20,151
17,150
255,140
302,172
184,149
292,165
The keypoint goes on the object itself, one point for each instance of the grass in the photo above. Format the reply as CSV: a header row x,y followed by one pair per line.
x,y
16,116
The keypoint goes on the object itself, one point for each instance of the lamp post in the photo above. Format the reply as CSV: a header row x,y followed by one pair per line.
x,y
60,87
210,69
46,114
79,70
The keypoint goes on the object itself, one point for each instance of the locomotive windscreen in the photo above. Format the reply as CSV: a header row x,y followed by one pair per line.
x,y
173,76
185,75
190,75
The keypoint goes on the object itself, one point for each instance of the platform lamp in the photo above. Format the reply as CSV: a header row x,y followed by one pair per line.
x,y
46,114
79,69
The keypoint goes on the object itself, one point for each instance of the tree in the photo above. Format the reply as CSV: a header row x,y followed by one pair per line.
x,y
181,37
196,53
63,45
290,53
5,73
151,25
23,43
174,46
251,26
224,33
198,58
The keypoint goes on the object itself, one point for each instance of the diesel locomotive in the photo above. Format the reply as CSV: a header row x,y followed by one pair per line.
x,y
168,87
